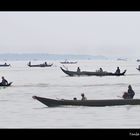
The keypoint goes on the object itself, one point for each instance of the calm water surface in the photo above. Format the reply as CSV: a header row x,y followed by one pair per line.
x,y
19,110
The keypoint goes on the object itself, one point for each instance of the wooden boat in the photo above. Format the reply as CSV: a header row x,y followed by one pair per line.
x,y
121,59
4,65
9,84
40,65
67,62
87,73
93,103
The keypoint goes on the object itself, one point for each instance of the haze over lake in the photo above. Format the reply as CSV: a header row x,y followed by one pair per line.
x,y
94,40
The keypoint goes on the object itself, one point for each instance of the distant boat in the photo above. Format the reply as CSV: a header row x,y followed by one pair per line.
x,y
40,65
88,73
93,103
5,65
122,59
68,62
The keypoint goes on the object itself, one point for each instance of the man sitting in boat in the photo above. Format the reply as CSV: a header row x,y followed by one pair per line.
x,y
118,70
4,81
45,63
129,94
100,70
83,97
78,70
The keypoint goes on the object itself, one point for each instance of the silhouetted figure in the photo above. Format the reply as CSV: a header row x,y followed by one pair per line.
x,y
29,63
4,81
100,70
139,67
129,94
83,97
118,70
45,63
74,98
5,64
78,70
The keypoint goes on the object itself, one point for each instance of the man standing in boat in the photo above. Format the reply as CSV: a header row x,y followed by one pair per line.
x,y
117,71
129,94
78,70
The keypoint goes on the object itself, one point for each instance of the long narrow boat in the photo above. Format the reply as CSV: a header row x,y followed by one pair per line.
x,y
87,73
93,103
67,62
41,65
9,84
4,65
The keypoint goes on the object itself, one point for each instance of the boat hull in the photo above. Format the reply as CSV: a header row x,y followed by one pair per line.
x,y
4,65
93,103
40,65
9,84
86,73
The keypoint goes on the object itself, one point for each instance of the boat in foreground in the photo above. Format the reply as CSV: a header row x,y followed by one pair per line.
x,y
87,73
9,84
93,103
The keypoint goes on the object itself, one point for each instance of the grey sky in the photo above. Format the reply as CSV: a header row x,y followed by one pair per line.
x,y
93,33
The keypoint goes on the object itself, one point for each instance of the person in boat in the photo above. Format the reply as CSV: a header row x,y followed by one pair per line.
x,y
78,70
129,94
117,71
83,96
4,81
100,70
139,67
29,63
5,63
74,98
45,63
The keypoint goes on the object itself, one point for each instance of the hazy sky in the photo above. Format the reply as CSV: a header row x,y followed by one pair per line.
x,y
93,33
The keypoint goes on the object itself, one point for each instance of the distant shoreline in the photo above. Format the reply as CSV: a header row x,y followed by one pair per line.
x,y
45,56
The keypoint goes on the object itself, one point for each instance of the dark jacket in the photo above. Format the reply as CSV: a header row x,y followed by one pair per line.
x,y
117,71
129,95
4,82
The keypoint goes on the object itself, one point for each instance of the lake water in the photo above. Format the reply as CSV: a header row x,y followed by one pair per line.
x,y
19,110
